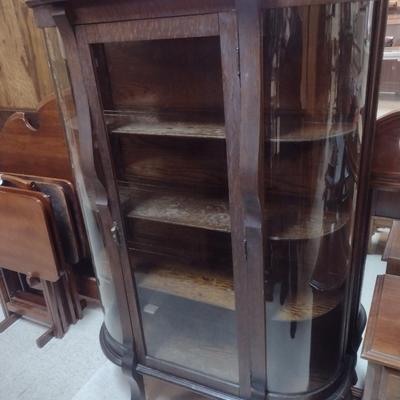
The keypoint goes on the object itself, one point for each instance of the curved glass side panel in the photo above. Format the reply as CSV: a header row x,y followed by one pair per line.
x,y
315,67
100,256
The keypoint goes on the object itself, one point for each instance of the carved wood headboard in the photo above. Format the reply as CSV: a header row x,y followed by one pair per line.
x,y
35,145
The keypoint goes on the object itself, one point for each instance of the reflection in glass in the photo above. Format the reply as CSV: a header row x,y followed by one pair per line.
x,y
314,73
100,257
389,83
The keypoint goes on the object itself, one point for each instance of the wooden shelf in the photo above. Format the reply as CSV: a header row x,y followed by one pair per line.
x,y
286,221
180,209
307,306
130,125
203,284
292,222
312,131
214,286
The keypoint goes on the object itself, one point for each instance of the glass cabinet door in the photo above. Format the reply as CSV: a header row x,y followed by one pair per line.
x,y
163,111
315,66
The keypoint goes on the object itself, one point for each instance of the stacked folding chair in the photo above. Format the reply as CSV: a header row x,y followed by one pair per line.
x,y
40,242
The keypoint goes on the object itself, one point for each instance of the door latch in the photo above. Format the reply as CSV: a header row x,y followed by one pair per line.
x,y
246,254
115,233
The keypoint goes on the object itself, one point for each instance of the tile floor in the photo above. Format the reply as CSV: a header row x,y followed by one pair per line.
x,y
75,368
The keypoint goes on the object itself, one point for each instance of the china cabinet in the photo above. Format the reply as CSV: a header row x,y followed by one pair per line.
x,y
222,150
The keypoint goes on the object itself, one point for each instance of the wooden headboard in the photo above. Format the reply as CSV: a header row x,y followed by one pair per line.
x,y
35,144
385,169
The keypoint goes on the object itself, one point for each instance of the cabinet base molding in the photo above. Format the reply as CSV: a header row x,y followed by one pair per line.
x,y
340,389
112,349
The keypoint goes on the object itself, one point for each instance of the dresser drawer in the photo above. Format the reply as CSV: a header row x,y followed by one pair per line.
x,y
382,383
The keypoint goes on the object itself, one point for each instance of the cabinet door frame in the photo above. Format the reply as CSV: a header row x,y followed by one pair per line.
x,y
222,25
252,184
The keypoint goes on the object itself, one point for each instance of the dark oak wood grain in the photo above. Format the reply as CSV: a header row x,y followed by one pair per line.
x,y
185,164
168,28
174,113
148,76
251,178
143,9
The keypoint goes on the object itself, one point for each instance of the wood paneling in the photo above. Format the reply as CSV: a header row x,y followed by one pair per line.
x,y
24,73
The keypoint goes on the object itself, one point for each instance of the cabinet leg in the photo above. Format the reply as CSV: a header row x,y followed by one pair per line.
x,y
137,388
372,382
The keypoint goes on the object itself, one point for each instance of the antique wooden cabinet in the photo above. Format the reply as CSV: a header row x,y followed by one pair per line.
x,y
222,150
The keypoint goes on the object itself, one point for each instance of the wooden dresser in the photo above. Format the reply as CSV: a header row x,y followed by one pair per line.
x,y
382,341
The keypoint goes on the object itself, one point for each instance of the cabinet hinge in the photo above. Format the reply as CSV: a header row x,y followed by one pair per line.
x,y
245,249
238,61
115,233
96,62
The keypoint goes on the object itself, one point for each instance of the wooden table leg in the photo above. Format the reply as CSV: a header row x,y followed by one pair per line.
x,y
51,303
45,338
4,297
59,297
66,290
74,293
8,321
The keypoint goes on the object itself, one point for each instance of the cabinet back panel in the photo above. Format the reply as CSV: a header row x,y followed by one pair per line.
x,y
184,243
198,165
165,74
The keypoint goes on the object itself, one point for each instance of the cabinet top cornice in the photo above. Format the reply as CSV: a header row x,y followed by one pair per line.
x,y
36,3
198,3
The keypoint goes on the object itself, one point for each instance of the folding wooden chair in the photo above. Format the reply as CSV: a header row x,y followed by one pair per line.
x,y
38,241
68,221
